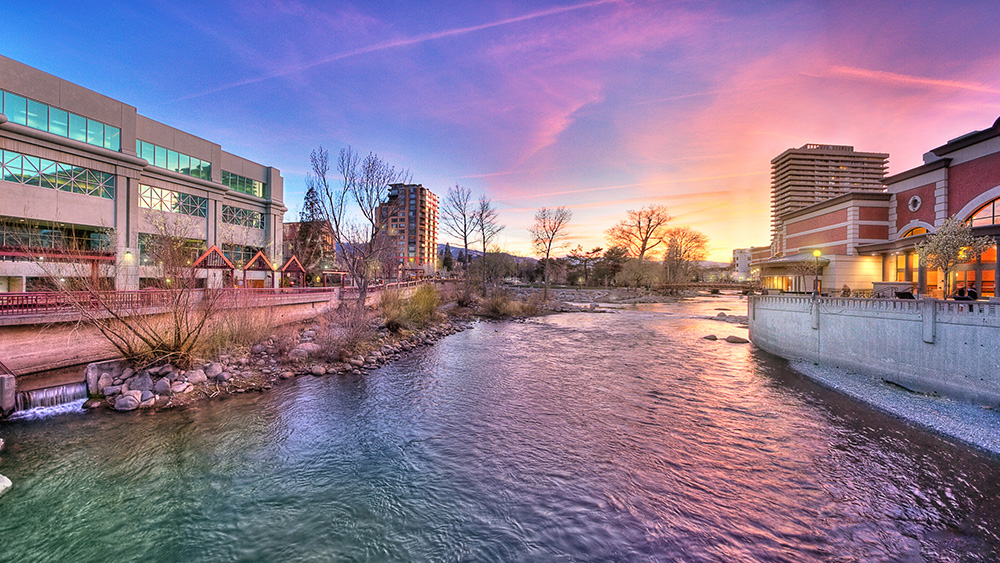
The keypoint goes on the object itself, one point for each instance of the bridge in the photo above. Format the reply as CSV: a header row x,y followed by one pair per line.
x,y
708,286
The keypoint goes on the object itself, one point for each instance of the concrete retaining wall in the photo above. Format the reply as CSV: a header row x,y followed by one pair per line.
x,y
944,347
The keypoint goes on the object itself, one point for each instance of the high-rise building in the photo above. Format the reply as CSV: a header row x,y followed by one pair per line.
x,y
814,173
741,264
410,216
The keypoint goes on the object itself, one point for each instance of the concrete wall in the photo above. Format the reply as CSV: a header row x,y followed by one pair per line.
x,y
944,347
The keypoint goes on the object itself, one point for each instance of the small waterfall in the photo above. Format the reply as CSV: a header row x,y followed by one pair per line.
x,y
50,396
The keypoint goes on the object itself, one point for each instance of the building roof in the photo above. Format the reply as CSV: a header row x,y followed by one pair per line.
x,y
968,139
914,172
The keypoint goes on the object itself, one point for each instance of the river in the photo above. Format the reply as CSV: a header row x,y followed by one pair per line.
x,y
620,436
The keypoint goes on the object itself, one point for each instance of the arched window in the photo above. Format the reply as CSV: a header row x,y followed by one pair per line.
x,y
914,231
988,214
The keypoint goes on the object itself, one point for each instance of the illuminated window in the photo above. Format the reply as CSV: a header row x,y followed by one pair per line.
x,y
914,231
35,171
160,199
988,214
244,185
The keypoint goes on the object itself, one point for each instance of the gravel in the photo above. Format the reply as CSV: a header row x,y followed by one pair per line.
x,y
972,424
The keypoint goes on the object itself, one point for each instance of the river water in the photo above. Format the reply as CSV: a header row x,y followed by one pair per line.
x,y
603,437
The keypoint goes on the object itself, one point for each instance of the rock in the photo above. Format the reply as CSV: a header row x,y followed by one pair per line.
x,y
243,361
111,390
126,403
356,362
736,340
127,373
142,383
180,387
89,404
130,393
257,349
711,337
287,375
5,484
162,387
224,376
147,404
213,370
196,377
318,370
1,444
146,396
105,380
309,334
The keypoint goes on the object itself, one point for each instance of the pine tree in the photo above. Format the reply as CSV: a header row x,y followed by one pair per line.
x,y
309,246
447,260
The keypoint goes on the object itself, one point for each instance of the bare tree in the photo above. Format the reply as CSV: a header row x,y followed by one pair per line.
x,y
457,218
949,246
361,244
549,228
641,231
484,219
684,247
584,259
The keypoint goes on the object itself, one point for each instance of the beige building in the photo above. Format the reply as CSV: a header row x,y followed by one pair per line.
x,y
813,173
86,181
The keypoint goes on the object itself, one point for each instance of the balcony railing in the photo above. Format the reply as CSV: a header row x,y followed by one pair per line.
x,y
27,242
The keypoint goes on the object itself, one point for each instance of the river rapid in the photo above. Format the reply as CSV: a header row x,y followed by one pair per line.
x,y
618,436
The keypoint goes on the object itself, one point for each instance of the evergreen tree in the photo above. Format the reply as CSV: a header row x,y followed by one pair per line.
x,y
309,245
447,260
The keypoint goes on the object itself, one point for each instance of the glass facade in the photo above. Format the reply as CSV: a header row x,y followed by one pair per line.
x,y
33,171
244,185
159,199
242,217
28,112
167,159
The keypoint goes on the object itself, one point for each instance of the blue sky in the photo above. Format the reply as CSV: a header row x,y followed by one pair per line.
x,y
601,106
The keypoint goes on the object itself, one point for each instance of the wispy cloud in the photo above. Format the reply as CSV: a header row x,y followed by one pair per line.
x,y
398,43
885,76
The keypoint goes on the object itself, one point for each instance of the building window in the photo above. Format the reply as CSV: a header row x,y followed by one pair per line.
x,y
160,199
33,171
34,114
244,185
174,161
914,232
242,217
988,214
240,255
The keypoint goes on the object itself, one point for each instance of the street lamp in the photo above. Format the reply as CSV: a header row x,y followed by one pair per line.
x,y
816,254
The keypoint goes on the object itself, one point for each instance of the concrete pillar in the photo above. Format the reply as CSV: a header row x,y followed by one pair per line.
x,y
921,279
8,391
928,317
979,275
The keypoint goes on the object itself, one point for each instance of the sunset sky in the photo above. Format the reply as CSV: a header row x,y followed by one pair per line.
x,y
601,106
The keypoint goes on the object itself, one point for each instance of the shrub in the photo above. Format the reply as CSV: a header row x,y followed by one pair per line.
x,y
235,329
392,306
500,305
347,333
420,307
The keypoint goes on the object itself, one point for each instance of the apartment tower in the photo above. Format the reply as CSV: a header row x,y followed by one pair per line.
x,y
411,217
814,173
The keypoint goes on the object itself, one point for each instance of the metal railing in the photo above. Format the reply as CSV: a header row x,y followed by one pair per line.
x,y
41,302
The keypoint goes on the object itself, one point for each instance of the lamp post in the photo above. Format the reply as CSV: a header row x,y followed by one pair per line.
x,y
816,254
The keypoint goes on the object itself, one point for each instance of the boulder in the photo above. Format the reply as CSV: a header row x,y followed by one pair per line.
x,y
1,444
180,387
142,383
91,404
130,393
92,375
736,340
318,370
711,337
146,396
105,380
224,376
257,349
111,390
287,375
213,370
126,403
162,387
147,404
196,377
5,484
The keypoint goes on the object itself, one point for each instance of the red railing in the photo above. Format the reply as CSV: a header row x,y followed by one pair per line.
x,y
12,304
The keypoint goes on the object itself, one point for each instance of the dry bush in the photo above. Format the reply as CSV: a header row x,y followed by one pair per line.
x,y
392,306
348,332
236,329
285,341
501,305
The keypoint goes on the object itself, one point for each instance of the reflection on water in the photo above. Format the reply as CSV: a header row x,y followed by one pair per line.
x,y
620,436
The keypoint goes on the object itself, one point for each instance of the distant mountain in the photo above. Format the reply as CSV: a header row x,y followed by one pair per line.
x,y
456,250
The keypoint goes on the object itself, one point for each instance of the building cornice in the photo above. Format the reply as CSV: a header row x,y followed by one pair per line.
x,y
968,140
118,157
834,201
914,172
